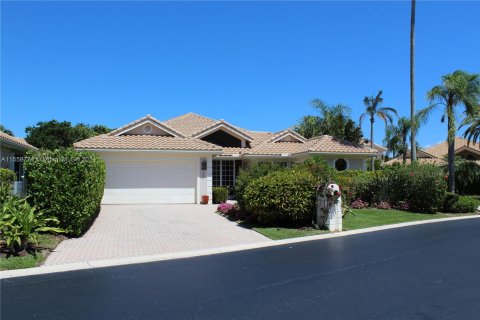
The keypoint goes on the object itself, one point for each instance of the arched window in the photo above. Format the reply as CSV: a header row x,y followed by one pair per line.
x,y
341,164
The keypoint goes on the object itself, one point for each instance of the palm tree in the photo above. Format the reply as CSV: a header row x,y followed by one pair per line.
x,y
459,88
413,126
373,108
333,120
472,133
398,135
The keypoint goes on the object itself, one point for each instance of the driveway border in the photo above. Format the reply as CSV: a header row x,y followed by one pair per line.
x,y
197,253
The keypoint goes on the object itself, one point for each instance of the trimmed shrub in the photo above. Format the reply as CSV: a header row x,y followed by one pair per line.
x,y
67,185
7,176
449,201
467,176
246,176
283,197
220,194
465,204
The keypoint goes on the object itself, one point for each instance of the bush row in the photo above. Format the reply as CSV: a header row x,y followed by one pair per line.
x,y
68,185
423,187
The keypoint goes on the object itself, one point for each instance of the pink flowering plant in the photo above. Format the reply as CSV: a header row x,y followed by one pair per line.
x,y
227,209
384,205
359,204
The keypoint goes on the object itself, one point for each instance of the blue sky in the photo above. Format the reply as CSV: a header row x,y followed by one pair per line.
x,y
254,64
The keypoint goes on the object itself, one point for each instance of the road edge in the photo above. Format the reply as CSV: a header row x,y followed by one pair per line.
x,y
5,274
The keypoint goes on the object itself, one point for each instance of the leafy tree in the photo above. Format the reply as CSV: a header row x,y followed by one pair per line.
x,y
100,129
333,120
458,89
5,130
374,109
53,134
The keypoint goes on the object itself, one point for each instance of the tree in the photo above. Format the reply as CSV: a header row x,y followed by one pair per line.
x,y
472,133
374,109
397,136
413,125
54,134
5,130
333,120
459,88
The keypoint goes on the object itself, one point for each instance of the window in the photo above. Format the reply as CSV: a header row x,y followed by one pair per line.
x,y
224,173
341,164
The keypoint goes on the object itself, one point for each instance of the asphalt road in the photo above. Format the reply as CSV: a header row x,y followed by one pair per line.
x,y
421,272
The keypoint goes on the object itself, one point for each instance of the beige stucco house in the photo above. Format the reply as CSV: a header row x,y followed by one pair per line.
x,y
181,159
12,152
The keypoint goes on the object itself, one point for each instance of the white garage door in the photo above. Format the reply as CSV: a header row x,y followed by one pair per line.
x,y
168,180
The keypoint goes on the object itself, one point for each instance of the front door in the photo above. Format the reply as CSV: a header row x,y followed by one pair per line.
x,y
224,174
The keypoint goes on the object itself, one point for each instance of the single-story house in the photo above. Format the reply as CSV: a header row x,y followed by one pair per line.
x,y
438,153
181,159
382,151
12,152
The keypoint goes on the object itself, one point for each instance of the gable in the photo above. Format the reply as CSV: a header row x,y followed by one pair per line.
x,y
224,139
288,136
146,126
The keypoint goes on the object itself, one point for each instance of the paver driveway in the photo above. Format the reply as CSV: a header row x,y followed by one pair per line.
x,y
122,231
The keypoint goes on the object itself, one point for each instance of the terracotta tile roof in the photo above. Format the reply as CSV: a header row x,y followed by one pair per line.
x,y
227,152
277,148
259,136
20,142
377,147
440,150
289,131
190,123
329,144
142,119
226,124
399,160
145,142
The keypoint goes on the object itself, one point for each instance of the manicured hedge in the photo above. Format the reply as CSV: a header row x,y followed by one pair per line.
x,y
465,204
282,197
422,187
68,185
7,176
220,194
246,176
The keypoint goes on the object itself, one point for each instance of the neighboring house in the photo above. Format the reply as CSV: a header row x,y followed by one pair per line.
x,y
382,151
438,153
12,150
181,159
422,157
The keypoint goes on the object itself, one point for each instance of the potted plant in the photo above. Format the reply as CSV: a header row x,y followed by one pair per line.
x,y
205,199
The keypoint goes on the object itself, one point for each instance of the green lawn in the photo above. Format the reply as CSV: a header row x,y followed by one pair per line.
x,y
363,218
284,233
46,243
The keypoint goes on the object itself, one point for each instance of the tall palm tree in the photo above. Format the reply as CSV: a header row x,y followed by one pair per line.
x,y
472,133
374,109
398,135
413,153
459,88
